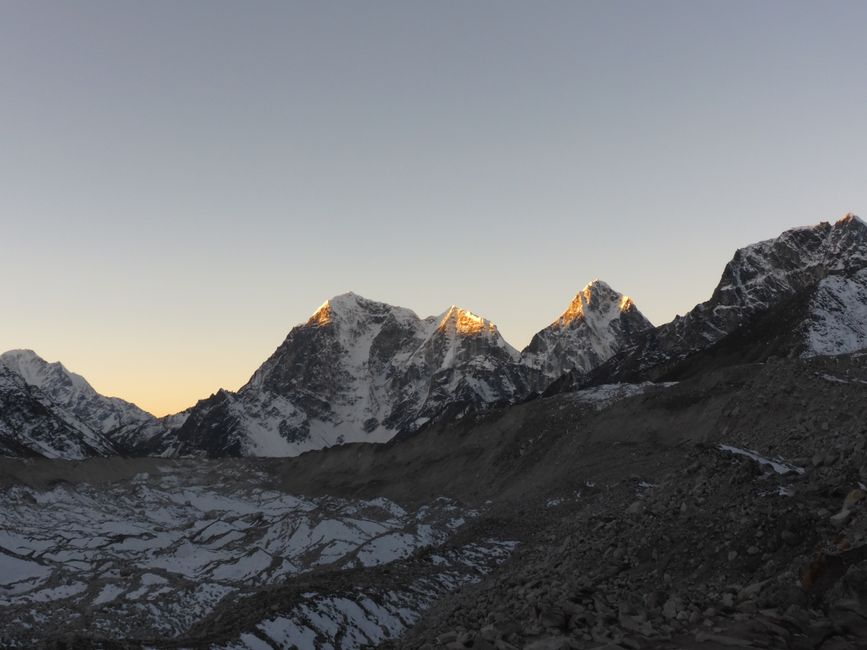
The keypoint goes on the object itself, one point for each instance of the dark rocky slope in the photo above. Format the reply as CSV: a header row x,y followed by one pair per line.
x,y
639,528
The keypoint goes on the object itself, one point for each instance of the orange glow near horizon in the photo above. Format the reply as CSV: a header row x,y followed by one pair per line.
x,y
164,395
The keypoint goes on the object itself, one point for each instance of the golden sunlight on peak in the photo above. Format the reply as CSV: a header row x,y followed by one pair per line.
x,y
465,322
574,310
625,303
576,307
321,316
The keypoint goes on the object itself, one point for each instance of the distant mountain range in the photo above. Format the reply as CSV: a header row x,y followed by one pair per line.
x,y
360,370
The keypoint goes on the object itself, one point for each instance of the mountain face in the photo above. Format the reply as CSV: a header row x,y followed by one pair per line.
x,y
837,316
598,323
357,370
360,370
31,424
110,425
802,292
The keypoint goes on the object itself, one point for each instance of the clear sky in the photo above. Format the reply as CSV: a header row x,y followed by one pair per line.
x,y
181,182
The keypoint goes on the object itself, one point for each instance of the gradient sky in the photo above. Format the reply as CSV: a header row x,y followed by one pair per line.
x,y
181,182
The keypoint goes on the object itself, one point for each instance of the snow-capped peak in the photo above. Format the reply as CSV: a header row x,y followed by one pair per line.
x,y
597,297
72,393
342,303
851,218
598,323
464,322
353,310
38,372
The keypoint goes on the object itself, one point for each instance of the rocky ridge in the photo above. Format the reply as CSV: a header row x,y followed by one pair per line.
x,y
598,323
110,424
31,424
361,370
805,288
357,370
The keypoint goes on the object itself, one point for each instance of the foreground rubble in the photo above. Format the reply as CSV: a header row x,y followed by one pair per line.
x,y
727,550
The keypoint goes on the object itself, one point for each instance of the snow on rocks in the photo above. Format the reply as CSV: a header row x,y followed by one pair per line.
x,y
597,324
838,309
357,371
778,465
601,396
369,616
154,555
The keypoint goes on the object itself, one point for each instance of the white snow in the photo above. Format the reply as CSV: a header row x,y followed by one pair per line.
x,y
287,633
371,386
779,465
606,394
13,569
585,335
838,323
163,550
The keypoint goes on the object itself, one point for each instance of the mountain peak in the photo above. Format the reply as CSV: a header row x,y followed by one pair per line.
x,y
38,372
340,303
598,297
851,219
352,310
598,323
464,322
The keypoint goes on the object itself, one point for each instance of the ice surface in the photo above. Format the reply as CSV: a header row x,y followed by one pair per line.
x,y
159,553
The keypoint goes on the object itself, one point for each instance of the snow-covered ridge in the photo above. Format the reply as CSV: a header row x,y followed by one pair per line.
x,y
597,324
838,323
596,301
73,393
32,424
96,423
358,370
811,275
797,258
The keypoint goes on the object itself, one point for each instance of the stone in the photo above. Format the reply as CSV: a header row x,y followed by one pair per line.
x,y
553,616
840,519
720,639
500,644
671,608
751,591
636,624
447,637
790,538
549,643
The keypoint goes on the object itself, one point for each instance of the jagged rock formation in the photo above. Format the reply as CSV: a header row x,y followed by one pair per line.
x,y
31,424
358,370
837,322
598,323
801,294
109,425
